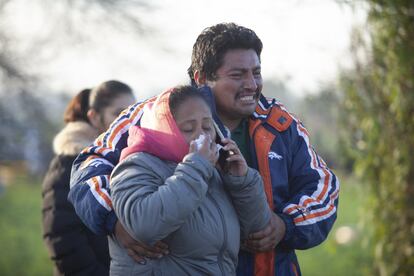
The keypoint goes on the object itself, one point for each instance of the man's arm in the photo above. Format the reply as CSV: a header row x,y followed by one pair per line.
x,y
90,193
306,218
311,210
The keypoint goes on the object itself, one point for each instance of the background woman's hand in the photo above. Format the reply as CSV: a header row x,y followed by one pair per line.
x,y
208,149
235,163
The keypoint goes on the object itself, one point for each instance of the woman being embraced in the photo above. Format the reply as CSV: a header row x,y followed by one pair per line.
x,y
169,188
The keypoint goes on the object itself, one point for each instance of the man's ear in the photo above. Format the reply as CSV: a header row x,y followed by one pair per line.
x,y
93,117
199,78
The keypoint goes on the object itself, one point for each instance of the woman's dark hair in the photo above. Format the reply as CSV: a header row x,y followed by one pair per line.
x,y
213,43
103,95
180,94
77,108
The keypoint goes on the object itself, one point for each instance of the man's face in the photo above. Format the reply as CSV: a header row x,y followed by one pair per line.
x,y
238,85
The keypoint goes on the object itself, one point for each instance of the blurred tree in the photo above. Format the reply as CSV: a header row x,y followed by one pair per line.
x,y
319,113
64,22
379,104
27,112
9,70
26,136
276,88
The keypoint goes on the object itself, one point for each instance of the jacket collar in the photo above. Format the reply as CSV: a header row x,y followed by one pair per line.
x,y
73,138
271,112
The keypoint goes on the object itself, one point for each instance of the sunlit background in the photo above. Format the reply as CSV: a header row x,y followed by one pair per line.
x,y
333,64
148,44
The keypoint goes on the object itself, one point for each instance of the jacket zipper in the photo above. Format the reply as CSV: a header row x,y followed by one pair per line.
x,y
253,146
220,256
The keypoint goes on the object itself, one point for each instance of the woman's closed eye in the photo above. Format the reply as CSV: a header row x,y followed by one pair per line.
x,y
187,130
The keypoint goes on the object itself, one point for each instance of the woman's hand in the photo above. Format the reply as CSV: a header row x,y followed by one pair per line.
x,y
235,163
208,149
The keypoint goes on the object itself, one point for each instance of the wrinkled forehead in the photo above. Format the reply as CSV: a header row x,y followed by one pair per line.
x,y
241,58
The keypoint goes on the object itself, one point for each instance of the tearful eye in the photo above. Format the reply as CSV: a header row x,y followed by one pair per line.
x,y
236,76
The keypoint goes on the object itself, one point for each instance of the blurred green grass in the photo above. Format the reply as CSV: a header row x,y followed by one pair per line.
x,y
22,249
354,257
23,252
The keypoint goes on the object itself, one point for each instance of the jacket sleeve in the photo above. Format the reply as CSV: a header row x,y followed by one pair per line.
x,y
151,208
249,200
310,212
90,193
64,234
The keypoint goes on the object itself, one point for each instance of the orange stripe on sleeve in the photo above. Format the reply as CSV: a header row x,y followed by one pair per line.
x,y
116,131
314,215
101,194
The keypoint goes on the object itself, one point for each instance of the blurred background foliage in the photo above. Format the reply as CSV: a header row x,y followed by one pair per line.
x,y
363,126
379,103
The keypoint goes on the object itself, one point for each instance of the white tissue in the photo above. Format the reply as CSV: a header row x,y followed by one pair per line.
x,y
199,141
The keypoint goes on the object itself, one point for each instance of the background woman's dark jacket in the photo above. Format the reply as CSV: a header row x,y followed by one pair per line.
x,y
74,249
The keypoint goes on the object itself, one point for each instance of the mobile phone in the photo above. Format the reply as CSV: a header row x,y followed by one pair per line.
x,y
223,154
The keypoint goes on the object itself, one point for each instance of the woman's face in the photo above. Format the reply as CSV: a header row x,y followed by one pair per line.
x,y
193,117
109,113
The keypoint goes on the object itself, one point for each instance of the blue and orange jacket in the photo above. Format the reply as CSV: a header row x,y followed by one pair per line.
x,y
300,188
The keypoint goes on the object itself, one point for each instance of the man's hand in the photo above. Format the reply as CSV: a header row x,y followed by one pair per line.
x,y
268,238
137,250
235,164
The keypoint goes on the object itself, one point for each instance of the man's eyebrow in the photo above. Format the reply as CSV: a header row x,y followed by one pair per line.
x,y
244,69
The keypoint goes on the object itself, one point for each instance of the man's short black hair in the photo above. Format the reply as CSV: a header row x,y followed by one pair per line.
x,y
213,43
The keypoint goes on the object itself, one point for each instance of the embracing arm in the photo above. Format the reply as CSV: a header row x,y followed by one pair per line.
x,y
151,208
89,193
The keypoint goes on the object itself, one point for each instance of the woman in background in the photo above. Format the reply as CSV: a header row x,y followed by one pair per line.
x,y
73,248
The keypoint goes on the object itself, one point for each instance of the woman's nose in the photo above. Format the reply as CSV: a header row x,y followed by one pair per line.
x,y
199,132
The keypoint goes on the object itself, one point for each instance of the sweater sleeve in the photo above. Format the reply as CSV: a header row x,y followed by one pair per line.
x,y
249,200
151,208
90,191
